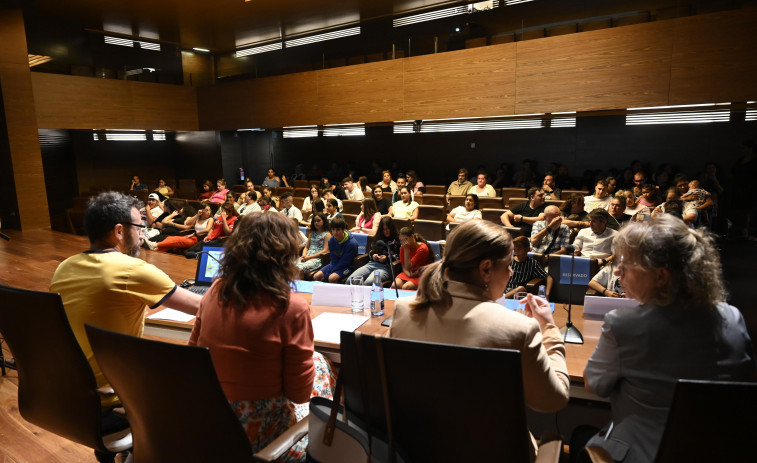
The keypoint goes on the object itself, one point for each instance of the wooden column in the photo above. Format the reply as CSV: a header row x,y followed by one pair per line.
x,y
21,122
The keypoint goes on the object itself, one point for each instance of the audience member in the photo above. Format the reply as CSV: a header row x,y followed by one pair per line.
x,y
315,195
250,203
289,209
550,190
207,190
648,196
164,189
401,182
382,204
606,282
481,188
633,208
107,286
550,236
415,255
352,191
271,180
378,256
618,217
524,215
387,184
455,305
639,180
332,210
342,250
259,334
153,210
682,328
219,195
328,195
595,242
600,198
201,222
414,183
406,208
684,210
524,269
222,227
461,186
317,245
136,185
573,212
612,186
367,221
468,211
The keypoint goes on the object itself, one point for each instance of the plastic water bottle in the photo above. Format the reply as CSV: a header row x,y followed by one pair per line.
x,y
377,295
542,292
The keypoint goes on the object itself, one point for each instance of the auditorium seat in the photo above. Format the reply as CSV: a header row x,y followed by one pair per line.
x,y
455,201
427,212
488,202
434,200
432,230
436,190
350,207
509,192
493,215
515,201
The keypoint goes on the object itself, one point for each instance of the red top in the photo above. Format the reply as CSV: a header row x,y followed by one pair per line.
x,y
218,230
261,352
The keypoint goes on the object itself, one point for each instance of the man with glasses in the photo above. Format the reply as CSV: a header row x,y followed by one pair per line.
x,y
107,285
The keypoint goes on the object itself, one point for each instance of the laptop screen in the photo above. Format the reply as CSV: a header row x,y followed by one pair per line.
x,y
208,265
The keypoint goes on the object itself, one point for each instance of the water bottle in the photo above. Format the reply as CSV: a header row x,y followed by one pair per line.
x,y
377,295
542,292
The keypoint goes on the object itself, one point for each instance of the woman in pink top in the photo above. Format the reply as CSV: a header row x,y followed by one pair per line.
x,y
368,220
219,195
259,334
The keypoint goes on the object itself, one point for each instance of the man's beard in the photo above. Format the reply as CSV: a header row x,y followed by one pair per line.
x,y
132,249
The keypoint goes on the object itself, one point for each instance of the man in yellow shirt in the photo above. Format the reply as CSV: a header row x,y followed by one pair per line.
x,y
107,286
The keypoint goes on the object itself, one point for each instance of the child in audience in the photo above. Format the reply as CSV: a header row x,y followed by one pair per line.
x,y
524,268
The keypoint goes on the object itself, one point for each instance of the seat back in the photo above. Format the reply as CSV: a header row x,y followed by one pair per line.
x,y
493,215
432,230
56,387
488,202
455,201
430,212
435,190
515,201
710,421
301,184
510,192
434,199
350,206
173,400
426,382
561,292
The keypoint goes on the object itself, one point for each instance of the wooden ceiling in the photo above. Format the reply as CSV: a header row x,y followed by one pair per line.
x,y
220,25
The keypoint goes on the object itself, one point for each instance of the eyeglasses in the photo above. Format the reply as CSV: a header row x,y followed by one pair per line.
x,y
622,266
141,228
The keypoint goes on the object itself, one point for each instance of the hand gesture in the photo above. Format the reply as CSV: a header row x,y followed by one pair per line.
x,y
556,222
538,309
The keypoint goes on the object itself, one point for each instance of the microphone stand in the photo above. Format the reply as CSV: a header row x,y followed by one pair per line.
x,y
381,243
570,333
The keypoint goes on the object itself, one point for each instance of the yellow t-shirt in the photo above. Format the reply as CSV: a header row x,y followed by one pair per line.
x,y
108,290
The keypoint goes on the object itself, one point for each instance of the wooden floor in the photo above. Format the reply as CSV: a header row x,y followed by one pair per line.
x,y
29,261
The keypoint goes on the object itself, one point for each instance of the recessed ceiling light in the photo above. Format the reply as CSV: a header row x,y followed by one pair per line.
x,y
201,50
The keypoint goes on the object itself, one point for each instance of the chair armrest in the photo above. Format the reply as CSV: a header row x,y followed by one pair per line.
x,y
106,391
595,455
533,285
284,442
550,448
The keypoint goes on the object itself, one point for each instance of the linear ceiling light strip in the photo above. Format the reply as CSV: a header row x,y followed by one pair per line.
x,y
260,49
322,37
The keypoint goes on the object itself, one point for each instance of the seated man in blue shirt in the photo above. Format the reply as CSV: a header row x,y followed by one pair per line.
x,y
343,249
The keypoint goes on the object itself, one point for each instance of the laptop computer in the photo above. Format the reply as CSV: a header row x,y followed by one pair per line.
x,y
208,268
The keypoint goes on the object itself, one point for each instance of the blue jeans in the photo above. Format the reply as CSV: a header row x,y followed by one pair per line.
x,y
366,271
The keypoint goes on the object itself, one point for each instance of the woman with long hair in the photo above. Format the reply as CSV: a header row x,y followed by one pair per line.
x,y
382,203
455,305
315,195
317,245
207,190
379,255
414,183
368,220
468,211
259,334
164,189
219,196
415,255
405,208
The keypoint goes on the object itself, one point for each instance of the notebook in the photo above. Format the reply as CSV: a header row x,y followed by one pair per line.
x,y
208,268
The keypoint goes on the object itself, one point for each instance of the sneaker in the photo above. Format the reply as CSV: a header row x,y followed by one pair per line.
x,y
150,245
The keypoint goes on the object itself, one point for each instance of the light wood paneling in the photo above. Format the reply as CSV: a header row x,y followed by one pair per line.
x,y
715,58
369,92
478,82
71,102
20,118
605,69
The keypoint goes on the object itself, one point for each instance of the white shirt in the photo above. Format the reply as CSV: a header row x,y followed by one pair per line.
x,y
355,194
462,215
292,213
247,208
591,203
488,190
595,246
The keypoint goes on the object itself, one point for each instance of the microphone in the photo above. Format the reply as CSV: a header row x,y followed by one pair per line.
x,y
380,244
569,332
570,249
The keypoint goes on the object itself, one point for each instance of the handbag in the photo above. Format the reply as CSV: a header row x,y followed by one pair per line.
x,y
334,439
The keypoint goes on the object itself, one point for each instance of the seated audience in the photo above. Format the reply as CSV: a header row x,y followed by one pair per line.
x,y
315,195
612,186
316,246
327,195
481,188
287,208
207,190
367,222
271,180
600,198
401,183
331,210
164,189
632,206
382,203
524,269
387,184
259,334
378,256
607,282
573,212
414,183
524,215
173,219
136,185
406,208
551,235
460,186
250,204
550,190
153,210
342,249
685,210
352,190
222,228
639,180
455,305
219,196
201,222
648,196
415,255
595,242
618,216
682,328
468,211
362,183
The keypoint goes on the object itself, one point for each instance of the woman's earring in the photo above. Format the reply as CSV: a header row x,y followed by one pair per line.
x,y
485,285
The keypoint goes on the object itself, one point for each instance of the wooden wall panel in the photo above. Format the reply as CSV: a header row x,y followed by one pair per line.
x,y
71,102
606,69
363,93
463,83
715,58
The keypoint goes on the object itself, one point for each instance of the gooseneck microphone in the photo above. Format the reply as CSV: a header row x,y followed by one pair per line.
x,y
380,244
569,332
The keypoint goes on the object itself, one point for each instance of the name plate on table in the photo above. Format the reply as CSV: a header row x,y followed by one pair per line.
x,y
338,295
598,306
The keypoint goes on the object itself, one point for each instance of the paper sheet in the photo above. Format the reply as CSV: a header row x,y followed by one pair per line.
x,y
172,315
327,326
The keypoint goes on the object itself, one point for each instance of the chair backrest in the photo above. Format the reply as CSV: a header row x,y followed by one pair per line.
x,y
455,201
512,202
297,201
561,292
401,222
493,215
710,421
438,388
301,192
430,212
301,184
432,230
56,387
350,219
435,190
173,400
489,202
350,206
430,199
510,192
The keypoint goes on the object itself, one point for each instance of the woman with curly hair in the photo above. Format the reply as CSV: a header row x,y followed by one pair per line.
x,y
259,334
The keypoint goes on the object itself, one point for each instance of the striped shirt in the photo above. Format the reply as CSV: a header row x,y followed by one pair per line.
x,y
523,272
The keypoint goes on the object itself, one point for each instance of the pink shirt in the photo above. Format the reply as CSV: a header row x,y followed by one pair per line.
x,y
219,196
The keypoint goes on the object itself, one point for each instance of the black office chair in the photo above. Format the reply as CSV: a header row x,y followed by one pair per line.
x,y
708,421
175,404
468,401
57,390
